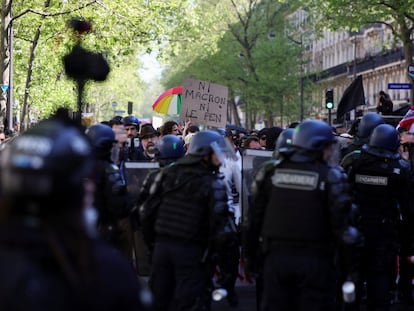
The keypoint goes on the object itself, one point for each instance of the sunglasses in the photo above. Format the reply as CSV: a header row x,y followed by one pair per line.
x,y
263,138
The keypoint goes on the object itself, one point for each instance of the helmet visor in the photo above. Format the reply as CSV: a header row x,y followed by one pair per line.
x,y
333,156
224,150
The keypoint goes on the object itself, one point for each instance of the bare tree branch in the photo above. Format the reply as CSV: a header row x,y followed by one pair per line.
x,y
44,14
116,13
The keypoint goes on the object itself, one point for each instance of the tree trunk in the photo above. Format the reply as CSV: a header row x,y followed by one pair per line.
x,y
235,113
29,76
5,59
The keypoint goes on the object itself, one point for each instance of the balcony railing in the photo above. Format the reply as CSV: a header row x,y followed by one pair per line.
x,y
368,63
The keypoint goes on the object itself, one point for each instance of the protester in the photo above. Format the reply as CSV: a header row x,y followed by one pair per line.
x,y
251,142
385,106
169,127
149,138
268,137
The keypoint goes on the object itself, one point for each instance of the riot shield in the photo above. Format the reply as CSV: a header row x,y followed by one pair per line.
x,y
135,174
252,159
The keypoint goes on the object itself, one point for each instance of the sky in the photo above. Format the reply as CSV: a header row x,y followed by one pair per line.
x,y
151,68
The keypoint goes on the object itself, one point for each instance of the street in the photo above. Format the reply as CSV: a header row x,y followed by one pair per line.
x,y
247,301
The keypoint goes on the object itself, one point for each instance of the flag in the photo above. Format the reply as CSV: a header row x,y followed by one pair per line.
x,y
352,97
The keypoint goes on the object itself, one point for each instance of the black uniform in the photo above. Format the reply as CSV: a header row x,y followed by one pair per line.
x,y
48,260
112,203
188,205
298,212
380,184
33,279
297,208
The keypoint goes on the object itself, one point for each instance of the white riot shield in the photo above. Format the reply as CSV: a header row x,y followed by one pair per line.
x,y
135,174
252,159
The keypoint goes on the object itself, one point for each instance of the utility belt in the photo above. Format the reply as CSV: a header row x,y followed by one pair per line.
x,y
299,247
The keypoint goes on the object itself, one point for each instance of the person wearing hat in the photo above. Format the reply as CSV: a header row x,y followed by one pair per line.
x,y
149,138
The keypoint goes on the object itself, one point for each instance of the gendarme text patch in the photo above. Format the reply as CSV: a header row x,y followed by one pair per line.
x,y
371,180
295,179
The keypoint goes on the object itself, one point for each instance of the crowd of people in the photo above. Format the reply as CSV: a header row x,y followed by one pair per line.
x,y
325,210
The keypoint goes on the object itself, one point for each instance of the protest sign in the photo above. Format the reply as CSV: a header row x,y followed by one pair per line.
x,y
204,102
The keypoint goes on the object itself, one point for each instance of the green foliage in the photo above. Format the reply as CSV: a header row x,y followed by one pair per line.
x,y
120,30
241,56
353,15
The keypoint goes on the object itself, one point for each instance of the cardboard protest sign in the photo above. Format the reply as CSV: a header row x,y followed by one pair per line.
x,y
204,102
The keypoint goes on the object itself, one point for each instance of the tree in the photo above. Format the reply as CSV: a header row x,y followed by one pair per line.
x,y
120,29
244,59
397,15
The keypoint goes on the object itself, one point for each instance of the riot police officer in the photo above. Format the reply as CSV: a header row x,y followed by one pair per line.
x,y
170,148
188,210
299,215
365,127
380,183
111,197
133,145
284,146
48,260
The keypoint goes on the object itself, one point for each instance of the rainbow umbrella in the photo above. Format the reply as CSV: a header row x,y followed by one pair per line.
x,y
169,102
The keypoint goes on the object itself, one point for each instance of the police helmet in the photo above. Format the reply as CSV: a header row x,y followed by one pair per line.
x,y
131,120
368,123
222,131
313,135
170,147
384,142
101,136
46,164
284,141
202,141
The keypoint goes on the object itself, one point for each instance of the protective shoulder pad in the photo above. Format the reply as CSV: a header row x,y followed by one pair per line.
x,y
261,173
336,174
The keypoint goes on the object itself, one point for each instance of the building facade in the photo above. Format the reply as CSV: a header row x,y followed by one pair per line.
x,y
334,59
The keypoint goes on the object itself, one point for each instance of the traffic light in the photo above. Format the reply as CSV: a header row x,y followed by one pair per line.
x,y
329,100
130,107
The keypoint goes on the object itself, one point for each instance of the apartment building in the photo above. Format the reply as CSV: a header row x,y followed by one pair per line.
x,y
334,59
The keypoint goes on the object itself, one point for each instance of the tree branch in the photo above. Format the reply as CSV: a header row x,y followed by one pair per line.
x,y
115,13
44,14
